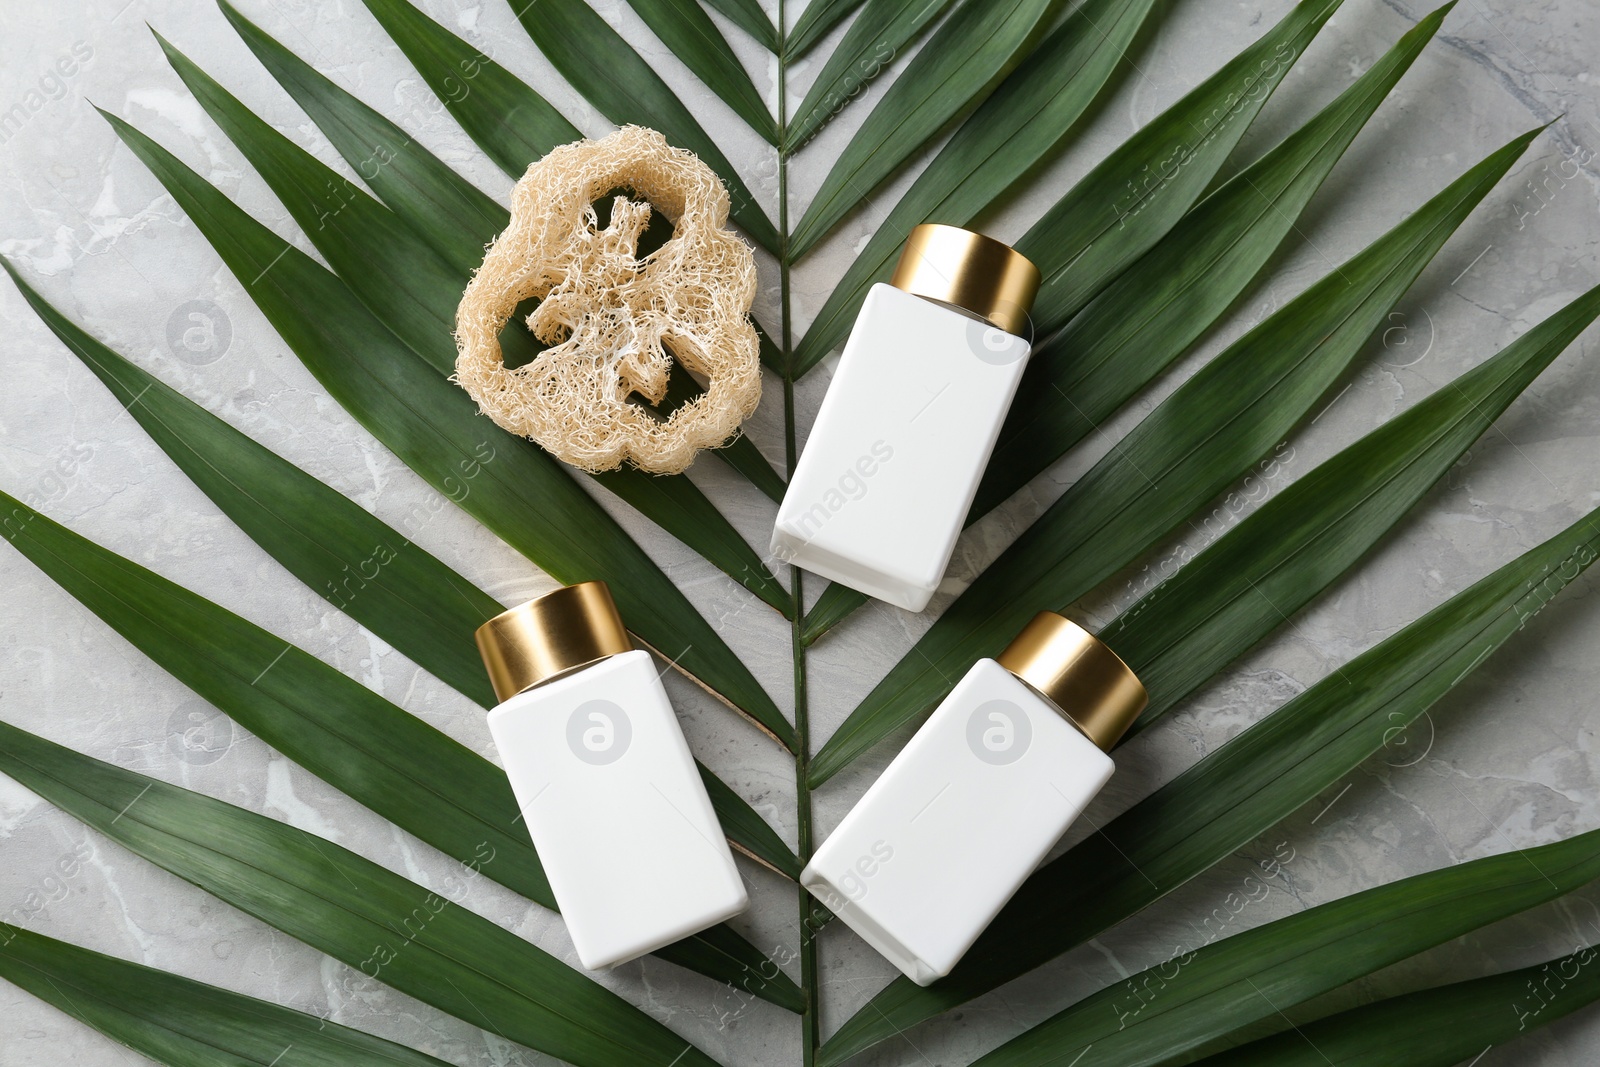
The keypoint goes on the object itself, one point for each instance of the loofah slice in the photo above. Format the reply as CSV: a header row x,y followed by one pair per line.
x,y
610,316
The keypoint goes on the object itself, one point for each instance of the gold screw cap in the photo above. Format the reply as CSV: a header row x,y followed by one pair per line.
x,y
973,272
1079,674
550,635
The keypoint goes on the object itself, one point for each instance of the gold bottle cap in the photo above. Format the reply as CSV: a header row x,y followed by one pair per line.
x,y
1078,674
970,271
550,635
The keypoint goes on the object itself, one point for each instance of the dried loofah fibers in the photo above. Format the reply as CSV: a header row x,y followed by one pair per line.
x,y
608,313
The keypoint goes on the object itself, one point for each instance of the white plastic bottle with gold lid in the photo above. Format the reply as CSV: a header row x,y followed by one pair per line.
x,y
903,435
606,783
983,791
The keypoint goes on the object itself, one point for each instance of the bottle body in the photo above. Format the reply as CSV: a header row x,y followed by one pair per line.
x,y
617,810
892,464
966,811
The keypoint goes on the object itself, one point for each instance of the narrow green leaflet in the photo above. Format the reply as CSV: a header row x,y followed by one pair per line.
x,y
1124,206
816,19
749,17
405,283
508,120
510,485
976,47
1239,791
360,564
1261,572
183,1023
1157,308
361,914
401,279
454,216
338,729
621,85
1204,992
836,604
1022,122
1198,441
1434,1028
688,31
443,208
750,834
873,41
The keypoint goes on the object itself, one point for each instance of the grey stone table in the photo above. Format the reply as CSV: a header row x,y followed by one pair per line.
x,y
1506,761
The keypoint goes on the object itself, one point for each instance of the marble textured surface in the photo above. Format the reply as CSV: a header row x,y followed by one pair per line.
x,y
1506,761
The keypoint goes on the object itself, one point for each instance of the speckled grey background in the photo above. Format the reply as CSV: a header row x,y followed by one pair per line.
x,y
1505,762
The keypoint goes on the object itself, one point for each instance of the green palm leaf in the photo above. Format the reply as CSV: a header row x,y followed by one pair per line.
x,y
366,568
1021,123
1265,569
1124,206
443,208
508,120
621,85
1207,992
1150,315
1436,1027
1193,445
688,31
510,485
454,216
407,284
324,720
392,762
966,58
183,1023
749,17
1239,791
816,19
870,45
391,929
1153,311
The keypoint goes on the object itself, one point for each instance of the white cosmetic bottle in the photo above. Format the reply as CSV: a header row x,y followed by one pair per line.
x,y
889,471
606,783
979,796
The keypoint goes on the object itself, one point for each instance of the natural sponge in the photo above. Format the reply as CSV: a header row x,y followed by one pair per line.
x,y
612,317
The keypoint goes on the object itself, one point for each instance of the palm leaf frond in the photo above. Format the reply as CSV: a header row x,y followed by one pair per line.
x,y
1208,992
1156,309
179,1022
1239,791
369,918
688,31
1265,569
1435,1027
818,17
873,41
962,63
749,17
